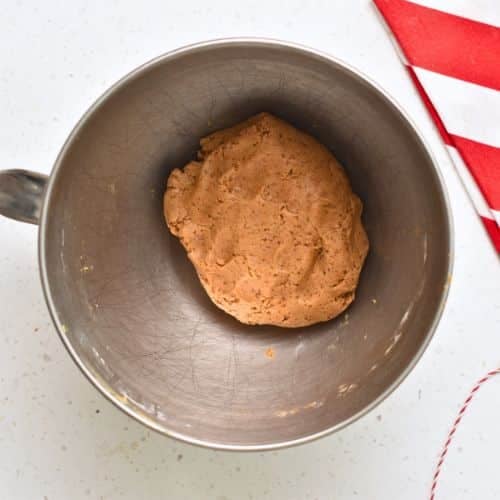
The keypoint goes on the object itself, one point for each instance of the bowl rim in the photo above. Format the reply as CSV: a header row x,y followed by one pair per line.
x,y
118,399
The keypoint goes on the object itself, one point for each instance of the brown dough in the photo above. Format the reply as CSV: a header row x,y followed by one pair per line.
x,y
268,219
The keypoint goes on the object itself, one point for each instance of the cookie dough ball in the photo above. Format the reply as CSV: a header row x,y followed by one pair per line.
x,y
269,220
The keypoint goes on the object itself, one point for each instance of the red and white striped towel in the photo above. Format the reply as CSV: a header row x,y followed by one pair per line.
x,y
454,62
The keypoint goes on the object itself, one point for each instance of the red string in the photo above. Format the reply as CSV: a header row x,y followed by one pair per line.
x,y
453,429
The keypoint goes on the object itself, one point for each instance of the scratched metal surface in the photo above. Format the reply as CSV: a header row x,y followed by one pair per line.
x,y
130,304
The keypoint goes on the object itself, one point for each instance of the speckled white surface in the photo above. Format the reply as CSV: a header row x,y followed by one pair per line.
x,y
60,439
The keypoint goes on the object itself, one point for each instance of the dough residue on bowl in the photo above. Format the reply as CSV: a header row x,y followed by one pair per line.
x,y
268,218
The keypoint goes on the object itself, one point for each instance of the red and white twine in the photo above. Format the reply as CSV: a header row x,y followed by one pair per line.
x,y
454,427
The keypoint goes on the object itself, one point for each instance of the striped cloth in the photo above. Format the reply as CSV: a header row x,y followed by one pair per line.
x,y
454,62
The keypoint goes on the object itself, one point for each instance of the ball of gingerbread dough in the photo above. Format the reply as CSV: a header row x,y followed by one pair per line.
x,y
268,219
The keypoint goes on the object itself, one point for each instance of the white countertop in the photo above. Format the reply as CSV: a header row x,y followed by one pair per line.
x,y
59,439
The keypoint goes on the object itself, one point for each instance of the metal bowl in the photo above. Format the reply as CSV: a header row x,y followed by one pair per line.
x,y
127,303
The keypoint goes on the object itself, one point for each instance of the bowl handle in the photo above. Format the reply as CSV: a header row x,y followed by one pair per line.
x,y
21,194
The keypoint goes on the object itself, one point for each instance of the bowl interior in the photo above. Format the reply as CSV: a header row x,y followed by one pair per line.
x,y
128,301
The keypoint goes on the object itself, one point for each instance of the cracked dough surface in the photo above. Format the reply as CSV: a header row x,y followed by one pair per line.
x,y
269,220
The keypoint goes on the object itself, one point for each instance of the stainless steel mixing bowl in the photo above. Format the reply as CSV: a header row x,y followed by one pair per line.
x,y
127,303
